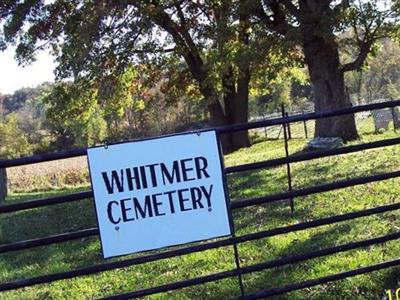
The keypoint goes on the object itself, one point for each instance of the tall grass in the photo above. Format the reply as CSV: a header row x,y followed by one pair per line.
x,y
52,175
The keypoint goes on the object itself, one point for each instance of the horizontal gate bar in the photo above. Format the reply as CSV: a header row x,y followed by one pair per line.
x,y
38,158
316,223
234,204
224,129
311,155
45,202
321,280
313,190
175,285
253,268
240,239
59,238
306,117
197,248
111,266
319,253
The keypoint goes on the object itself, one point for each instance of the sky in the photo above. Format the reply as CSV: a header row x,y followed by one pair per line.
x,y
13,77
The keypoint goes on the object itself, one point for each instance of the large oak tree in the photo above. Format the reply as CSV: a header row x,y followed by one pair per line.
x,y
316,25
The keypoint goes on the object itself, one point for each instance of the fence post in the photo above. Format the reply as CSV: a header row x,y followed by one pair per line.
x,y
3,186
305,126
392,109
231,221
265,128
289,175
289,131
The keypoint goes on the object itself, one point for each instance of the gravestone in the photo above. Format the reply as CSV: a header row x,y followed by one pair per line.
x,y
382,118
324,143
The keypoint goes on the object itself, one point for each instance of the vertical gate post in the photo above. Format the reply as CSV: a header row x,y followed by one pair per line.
x,y
289,175
394,117
265,128
231,222
289,131
3,186
305,126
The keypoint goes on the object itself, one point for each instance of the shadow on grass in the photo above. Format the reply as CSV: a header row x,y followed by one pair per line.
x,y
311,268
29,196
44,221
50,259
287,274
341,167
257,183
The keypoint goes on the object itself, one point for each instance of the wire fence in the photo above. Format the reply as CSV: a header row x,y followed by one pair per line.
x,y
373,121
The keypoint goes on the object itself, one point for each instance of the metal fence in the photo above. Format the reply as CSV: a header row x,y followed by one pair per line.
x,y
233,240
374,121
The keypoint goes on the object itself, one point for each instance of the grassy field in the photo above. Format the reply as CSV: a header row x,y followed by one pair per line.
x,y
74,254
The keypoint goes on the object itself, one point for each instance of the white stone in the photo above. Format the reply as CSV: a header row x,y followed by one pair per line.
x,y
323,143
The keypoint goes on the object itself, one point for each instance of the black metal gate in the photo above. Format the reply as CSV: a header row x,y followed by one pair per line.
x,y
234,205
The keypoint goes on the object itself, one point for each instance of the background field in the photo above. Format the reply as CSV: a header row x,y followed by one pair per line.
x,y
60,177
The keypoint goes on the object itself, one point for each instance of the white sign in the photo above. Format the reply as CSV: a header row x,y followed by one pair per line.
x,y
160,192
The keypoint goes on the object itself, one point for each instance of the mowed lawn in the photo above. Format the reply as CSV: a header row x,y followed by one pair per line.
x,y
85,252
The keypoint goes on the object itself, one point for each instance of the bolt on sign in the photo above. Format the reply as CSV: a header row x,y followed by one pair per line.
x,y
159,192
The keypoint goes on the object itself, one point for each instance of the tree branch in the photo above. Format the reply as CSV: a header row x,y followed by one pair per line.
x,y
185,44
278,22
291,7
341,7
181,16
166,50
365,49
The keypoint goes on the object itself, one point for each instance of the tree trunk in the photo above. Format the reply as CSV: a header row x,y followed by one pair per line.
x,y
3,186
217,116
322,58
229,94
236,108
239,102
240,110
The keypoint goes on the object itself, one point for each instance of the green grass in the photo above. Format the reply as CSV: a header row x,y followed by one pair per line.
x,y
78,215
